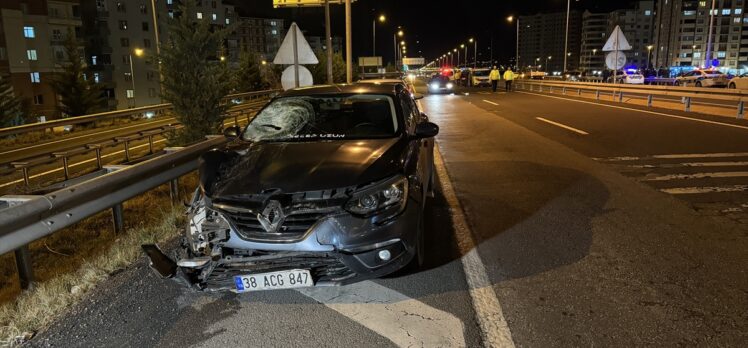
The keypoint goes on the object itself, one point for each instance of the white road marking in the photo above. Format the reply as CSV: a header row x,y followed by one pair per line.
x,y
698,190
675,156
562,126
645,111
697,176
404,321
691,164
77,164
494,328
490,102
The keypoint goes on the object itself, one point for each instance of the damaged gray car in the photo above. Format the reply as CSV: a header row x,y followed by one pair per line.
x,y
325,186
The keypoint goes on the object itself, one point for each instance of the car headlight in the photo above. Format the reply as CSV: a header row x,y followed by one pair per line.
x,y
390,193
450,85
434,85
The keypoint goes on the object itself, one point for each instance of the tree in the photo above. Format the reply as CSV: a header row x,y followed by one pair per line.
x,y
74,85
11,108
319,71
250,76
194,79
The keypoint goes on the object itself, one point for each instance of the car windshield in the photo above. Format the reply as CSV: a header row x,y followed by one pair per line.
x,y
324,117
481,72
712,72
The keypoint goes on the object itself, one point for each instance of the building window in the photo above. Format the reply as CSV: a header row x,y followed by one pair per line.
x,y
726,12
647,12
146,43
96,78
2,53
721,54
171,13
126,59
227,21
128,77
149,75
35,77
143,9
151,92
28,32
93,60
38,99
169,2
215,17
124,42
123,25
213,4
145,26
31,54
121,6
130,94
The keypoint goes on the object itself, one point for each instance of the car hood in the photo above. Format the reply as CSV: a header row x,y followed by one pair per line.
x,y
289,167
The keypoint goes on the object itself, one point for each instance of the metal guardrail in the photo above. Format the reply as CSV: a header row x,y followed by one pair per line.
x,y
159,108
28,218
687,94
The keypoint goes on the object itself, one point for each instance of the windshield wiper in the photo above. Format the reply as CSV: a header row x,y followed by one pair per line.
x,y
271,126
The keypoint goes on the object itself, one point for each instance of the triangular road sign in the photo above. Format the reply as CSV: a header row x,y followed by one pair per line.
x,y
617,41
304,51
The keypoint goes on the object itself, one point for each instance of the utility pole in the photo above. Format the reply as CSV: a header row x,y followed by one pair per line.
x,y
158,49
348,43
708,59
328,40
566,40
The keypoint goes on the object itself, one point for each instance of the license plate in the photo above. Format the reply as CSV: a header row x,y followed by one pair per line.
x,y
296,278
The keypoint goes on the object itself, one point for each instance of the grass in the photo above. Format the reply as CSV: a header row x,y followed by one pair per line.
x,y
71,262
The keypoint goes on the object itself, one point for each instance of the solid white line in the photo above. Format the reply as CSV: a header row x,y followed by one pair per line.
x,y
405,321
698,190
676,156
490,102
494,328
562,126
77,164
644,111
698,176
691,164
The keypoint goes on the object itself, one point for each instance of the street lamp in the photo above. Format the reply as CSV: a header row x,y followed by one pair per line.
x,y
451,63
649,55
516,56
475,52
546,62
399,33
138,53
381,19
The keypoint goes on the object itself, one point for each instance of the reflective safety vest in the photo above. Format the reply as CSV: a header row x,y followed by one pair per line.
x,y
508,75
494,75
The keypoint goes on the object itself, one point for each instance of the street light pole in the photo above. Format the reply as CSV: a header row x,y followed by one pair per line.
x,y
348,43
328,40
158,49
475,53
132,80
708,58
566,40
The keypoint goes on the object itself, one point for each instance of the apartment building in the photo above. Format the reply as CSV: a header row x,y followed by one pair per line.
x,y
32,36
543,35
262,36
595,31
681,35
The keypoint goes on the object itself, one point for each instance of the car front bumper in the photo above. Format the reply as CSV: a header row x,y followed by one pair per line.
x,y
339,249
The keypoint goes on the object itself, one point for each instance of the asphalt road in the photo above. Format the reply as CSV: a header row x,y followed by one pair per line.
x,y
566,252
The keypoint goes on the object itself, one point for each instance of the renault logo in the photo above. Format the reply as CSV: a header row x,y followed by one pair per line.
x,y
271,218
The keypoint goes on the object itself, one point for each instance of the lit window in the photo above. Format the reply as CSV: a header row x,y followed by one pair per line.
x,y
31,54
169,2
96,77
199,15
130,94
726,12
215,17
721,54
93,60
274,32
28,32
123,25
35,77
702,3
227,21
697,54
738,11
648,13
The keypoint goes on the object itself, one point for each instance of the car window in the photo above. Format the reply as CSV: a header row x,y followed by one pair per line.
x,y
324,117
409,112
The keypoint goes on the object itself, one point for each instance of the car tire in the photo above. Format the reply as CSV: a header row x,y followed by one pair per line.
x,y
732,86
698,84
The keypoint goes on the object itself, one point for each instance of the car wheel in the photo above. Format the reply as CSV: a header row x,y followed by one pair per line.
x,y
698,83
731,86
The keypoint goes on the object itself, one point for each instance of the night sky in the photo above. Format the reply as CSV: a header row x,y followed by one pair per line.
x,y
431,27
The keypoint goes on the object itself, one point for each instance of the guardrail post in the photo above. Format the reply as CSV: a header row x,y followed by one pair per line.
x,y
597,94
687,101
173,184
649,101
741,109
620,96
65,168
150,144
118,213
24,266
127,150
579,91
25,171
563,90
98,157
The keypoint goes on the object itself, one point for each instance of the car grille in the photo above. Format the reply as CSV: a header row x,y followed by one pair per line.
x,y
294,227
322,266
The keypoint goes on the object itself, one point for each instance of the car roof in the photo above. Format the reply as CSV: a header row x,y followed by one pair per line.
x,y
363,88
381,81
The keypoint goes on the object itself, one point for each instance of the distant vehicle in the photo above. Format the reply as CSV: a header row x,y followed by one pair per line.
x,y
573,75
738,82
702,78
409,86
480,77
628,76
537,75
440,84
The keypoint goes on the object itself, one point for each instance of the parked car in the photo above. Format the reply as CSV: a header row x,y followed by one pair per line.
x,y
480,77
702,78
738,82
627,76
403,82
325,186
573,75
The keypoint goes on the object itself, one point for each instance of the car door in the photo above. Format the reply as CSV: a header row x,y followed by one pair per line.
x,y
414,166
426,147
742,82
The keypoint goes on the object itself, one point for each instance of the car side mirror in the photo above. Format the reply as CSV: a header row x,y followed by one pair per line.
x,y
426,130
232,132
417,96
